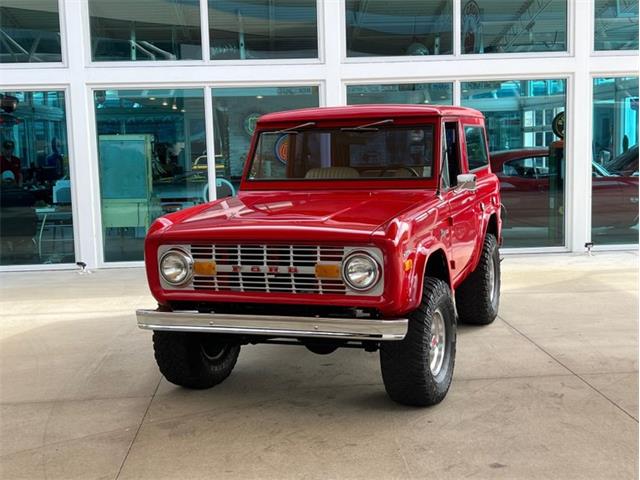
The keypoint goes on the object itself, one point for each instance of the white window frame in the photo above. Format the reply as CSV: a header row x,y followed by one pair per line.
x,y
205,40
63,47
589,197
72,177
592,39
331,72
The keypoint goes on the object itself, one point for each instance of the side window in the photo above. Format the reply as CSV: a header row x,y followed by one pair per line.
x,y
533,167
446,183
451,154
476,147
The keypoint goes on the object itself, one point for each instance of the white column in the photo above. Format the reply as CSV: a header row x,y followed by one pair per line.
x,y
83,161
332,33
579,134
210,142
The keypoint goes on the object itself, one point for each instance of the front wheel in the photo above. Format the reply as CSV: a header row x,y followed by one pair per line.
x,y
194,360
418,369
478,298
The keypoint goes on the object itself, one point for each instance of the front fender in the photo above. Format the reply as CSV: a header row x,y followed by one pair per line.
x,y
420,257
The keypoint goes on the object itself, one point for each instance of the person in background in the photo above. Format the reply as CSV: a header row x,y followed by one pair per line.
x,y
8,161
54,159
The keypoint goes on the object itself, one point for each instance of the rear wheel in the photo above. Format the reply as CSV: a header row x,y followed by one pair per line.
x,y
418,369
478,298
194,360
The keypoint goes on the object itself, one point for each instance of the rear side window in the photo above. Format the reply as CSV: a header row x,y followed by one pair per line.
x,y
531,167
476,147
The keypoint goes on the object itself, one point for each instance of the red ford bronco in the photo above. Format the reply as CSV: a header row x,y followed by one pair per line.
x,y
353,227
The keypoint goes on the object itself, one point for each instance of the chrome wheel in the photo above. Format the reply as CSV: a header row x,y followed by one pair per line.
x,y
437,343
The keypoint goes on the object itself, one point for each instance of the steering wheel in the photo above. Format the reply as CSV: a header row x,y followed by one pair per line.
x,y
411,170
219,183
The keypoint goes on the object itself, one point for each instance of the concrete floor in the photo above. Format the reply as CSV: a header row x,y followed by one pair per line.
x,y
550,390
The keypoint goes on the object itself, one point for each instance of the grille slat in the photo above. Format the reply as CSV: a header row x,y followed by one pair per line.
x,y
295,265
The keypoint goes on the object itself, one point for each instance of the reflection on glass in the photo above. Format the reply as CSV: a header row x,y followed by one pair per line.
x,y
254,29
36,223
496,26
386,28
236,111
122,30
616,25
29,31
476,147
410,93
524,120
152,158
614,203
340,154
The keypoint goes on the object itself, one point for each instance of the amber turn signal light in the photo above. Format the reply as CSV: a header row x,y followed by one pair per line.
x,y
204,268
327,270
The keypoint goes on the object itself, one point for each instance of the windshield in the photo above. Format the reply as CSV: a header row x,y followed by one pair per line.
x,y
346,154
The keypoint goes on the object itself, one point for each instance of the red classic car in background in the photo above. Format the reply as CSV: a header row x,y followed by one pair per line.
x,y
525,181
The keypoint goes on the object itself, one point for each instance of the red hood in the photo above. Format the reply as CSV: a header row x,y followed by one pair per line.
x,y
290,215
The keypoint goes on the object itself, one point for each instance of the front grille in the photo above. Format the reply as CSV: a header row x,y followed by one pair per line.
x,y
268,268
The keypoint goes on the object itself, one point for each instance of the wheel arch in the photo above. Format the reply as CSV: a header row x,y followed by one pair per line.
x,y
492,226
437,266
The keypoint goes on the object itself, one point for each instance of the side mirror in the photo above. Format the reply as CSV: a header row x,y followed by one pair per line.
x,y
466,181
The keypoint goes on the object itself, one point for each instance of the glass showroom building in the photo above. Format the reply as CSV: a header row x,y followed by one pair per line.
x,y
116,112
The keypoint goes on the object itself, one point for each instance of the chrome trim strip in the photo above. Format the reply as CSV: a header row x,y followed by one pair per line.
x,y
276,326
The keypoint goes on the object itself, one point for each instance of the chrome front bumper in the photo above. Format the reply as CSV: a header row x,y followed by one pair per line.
x,y
274,326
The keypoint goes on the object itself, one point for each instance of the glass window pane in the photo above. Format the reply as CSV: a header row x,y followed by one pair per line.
x,y
36,221
152,159
476,147
616,25
412,93
254,29
235,113
29,31
614,200
122,30
526,154
412,27
496,26
387,152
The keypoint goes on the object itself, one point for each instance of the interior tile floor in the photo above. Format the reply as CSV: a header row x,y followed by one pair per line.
x,y
549,390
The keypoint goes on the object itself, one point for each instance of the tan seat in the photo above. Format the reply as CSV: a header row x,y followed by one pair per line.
x,y
332,172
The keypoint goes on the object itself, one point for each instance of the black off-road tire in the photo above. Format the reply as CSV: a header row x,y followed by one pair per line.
x,y
405,364
474,299
194,360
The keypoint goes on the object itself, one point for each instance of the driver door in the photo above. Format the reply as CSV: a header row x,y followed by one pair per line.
x,y
463,217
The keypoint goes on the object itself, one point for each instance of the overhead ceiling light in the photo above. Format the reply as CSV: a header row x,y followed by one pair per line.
x,y
259,97
182,110
174,107
152,98
165,103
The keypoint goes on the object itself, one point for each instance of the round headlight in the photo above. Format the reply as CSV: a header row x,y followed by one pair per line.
x,y
360,271
176,267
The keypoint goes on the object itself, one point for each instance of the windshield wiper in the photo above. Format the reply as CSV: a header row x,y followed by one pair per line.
x,y
368,127
294,129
